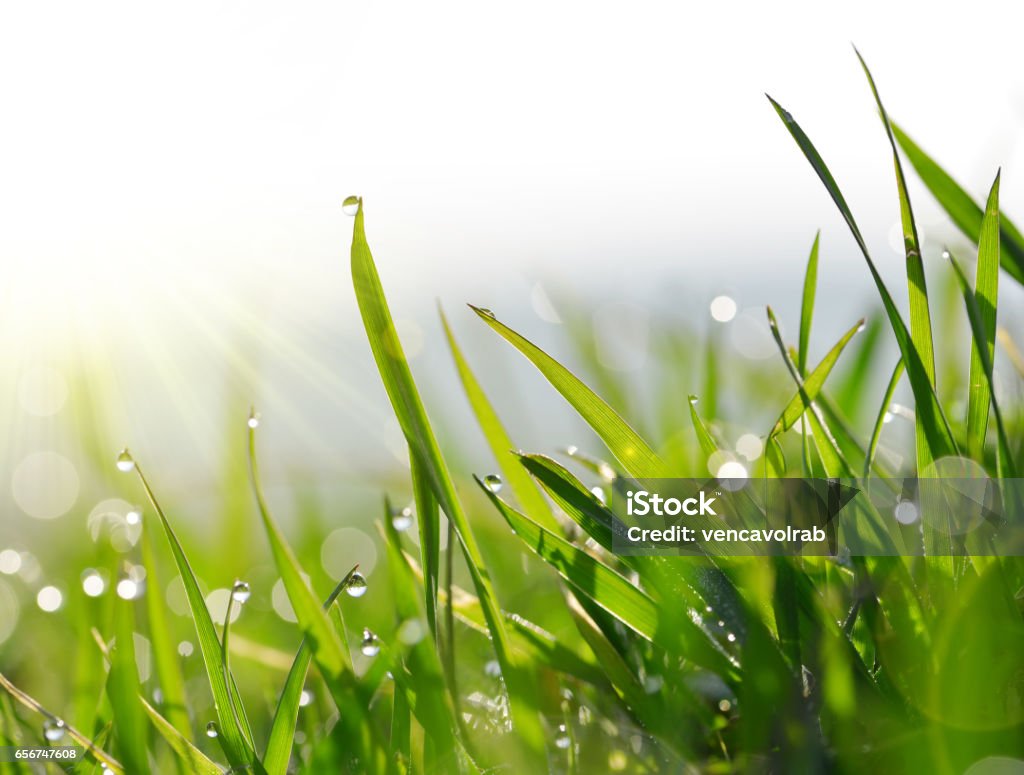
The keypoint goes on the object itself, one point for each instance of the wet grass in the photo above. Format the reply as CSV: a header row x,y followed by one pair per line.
x,y
572,659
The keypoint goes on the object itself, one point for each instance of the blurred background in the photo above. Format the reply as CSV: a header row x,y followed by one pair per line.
x,y
173,248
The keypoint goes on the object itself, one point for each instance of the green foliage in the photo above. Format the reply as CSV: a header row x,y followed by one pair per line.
x,y
528,644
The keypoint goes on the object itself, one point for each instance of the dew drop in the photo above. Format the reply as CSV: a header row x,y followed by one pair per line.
x,y
598,493
485,311
241,592
493,483
946,255
125,461
694,400
356,586
54,729
402,520
731,637
133,516
306,698
562,740
212,729
492,669
351,205
254,419
370,645
571,450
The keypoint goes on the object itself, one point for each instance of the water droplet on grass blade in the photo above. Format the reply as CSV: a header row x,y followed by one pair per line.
x,y
212,730
485,311
54,729
357,585
241,592
125,461
492,668
370,647
562,740
306,698
493,483
351,205
254,419
402,520
598,493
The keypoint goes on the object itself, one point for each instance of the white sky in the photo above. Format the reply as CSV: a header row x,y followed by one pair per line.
x,y
203,149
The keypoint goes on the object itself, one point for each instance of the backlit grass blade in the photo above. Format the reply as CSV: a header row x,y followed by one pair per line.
x,y
233,738
166,662
123,692
623,442
412,418
934,424
708,446
920,315
959,205
807,307
326,648
1007,466
814,382
92,749
526,492
282,728
608,590
986,293
429,526
190,758
883,411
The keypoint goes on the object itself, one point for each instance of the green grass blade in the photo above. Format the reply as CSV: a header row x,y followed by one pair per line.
x,y
429,526
622,441
286,714
613,593
526,492
814,382
412,417
92,748
960,207
876,432
1007,466
233,738
934,424
920,314
166,663
807,307
986,292
190,758
123,691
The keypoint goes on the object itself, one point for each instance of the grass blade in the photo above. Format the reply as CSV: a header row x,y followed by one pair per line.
x,y
814,382
622,441
610,591
936,428
807,307
412,418
1007,467
166,664
876,432
190,758
234,739
92,750
526,492
286,714
123,692
986,293
959,205
920,315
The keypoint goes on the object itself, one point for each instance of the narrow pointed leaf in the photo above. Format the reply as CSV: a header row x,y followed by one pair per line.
x,y
501,445
959,205
622,441
807,307
934,424
986,293
189,757
412,418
